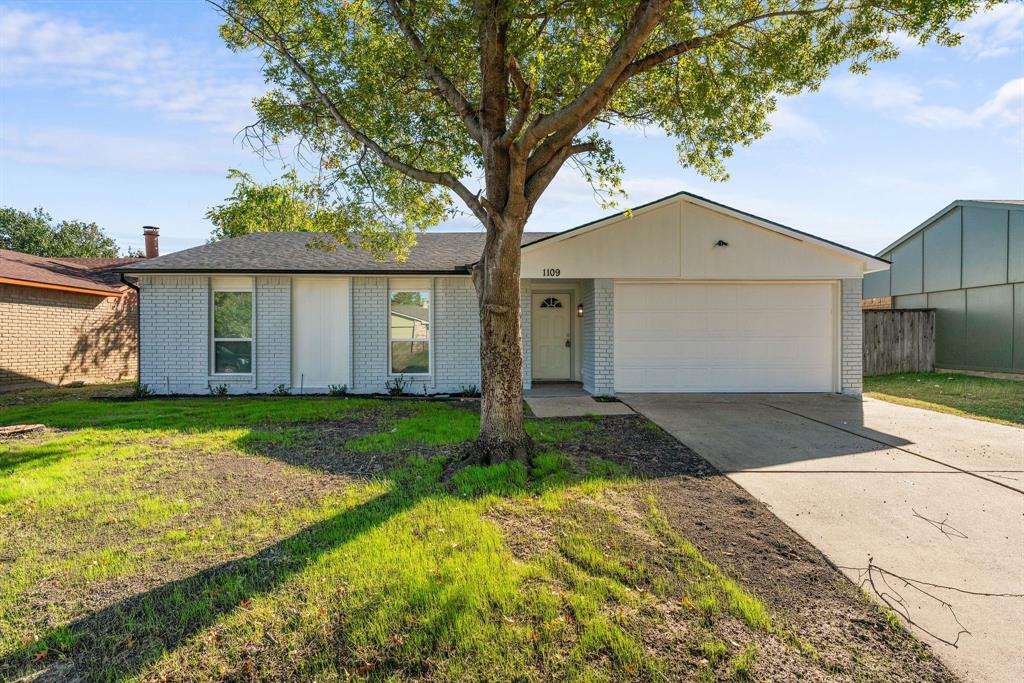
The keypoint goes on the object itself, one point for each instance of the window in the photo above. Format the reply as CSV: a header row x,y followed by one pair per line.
x,y
551,302
232,326
409,327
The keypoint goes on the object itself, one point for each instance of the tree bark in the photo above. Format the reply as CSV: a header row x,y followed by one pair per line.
x,y
502,432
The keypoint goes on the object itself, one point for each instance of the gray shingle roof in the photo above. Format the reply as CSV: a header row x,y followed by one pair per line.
x,y
289,252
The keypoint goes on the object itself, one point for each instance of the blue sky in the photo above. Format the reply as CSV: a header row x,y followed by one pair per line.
x,y
126,114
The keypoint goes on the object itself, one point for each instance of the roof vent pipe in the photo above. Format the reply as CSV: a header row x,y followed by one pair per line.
x,y
152,235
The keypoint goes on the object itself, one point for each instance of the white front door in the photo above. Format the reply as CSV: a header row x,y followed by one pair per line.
x,y
552,341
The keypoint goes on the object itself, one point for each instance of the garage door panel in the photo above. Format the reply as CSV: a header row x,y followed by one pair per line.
x,y
641,324
724,337
663,353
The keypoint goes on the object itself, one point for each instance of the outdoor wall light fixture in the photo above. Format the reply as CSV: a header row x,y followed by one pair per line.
x,y
721,243
579,311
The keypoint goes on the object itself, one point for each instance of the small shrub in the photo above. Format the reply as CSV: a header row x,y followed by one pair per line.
x,y
468,391
141,390
337,389
397,386
218,390
281,390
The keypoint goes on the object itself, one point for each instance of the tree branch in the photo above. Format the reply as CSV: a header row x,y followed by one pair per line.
x,y
276,42
525,101
573,116
540,179
451,93
568,121
666,53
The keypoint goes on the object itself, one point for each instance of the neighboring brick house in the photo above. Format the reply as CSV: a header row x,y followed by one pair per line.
x,y
66,320
682,294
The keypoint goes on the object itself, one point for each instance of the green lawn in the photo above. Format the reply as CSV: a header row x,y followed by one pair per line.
x,y
318,538
984,398
324,539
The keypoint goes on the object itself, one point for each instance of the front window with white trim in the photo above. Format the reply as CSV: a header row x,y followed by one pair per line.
x,y
232,314
409,327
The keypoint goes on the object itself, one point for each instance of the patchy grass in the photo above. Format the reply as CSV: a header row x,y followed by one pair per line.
x,y
50,394
742,665
983,398
301,539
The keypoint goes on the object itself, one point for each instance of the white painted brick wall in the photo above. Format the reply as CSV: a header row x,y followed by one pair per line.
x,y
273,333
598,337
587,360
526,327
456,335
852,353
173,333
369,334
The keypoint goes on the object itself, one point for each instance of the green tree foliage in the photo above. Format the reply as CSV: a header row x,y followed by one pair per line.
x,y
36,233
295,205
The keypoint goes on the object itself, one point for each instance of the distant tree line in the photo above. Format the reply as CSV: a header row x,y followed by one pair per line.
x,y
37,233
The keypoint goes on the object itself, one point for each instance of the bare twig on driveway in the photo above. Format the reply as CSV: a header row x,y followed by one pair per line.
x,y
944,526
881,581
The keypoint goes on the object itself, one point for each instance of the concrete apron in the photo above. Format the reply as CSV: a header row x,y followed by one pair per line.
x,y
928,496
574,406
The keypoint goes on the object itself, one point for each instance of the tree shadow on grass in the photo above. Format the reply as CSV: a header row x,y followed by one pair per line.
x,y
122,640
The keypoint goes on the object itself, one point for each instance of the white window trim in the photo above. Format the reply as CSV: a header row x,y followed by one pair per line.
x,y
396,285
233,285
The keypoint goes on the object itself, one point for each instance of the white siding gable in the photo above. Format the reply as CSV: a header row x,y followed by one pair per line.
x,y
676,239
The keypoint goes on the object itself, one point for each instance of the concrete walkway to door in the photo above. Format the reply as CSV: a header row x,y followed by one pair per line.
x,y
567,399
930,497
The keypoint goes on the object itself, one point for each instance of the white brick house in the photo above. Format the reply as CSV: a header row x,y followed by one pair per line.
x,y
682,295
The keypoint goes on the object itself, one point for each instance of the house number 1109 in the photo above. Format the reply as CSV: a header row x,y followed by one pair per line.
x,y
552,272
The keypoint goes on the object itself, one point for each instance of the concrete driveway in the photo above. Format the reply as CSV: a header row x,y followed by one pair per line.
x,y
930,497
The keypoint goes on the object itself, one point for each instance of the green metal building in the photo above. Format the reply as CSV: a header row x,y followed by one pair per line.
x,y
966,262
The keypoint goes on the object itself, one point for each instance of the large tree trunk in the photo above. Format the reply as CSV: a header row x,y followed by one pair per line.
x,y
502,433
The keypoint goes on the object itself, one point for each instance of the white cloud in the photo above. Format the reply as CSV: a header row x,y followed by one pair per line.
x,y
996,32
179,82
905,101
77,149
1006,108
788,123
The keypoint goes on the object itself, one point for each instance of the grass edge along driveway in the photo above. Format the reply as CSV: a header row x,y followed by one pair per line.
x,y
982,398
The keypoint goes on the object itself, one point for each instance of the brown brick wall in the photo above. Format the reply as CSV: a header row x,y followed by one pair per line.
x,y
53,337
882,303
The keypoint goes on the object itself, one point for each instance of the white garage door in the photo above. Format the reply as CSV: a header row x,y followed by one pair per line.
x,y
320,333
724,337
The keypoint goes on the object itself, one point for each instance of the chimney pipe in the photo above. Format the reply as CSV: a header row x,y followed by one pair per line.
x,y
152,235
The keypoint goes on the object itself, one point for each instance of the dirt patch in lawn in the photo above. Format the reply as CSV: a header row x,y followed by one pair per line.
x,y
320,446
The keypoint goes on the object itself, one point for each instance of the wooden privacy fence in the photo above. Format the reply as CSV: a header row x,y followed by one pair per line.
x,y
899,341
